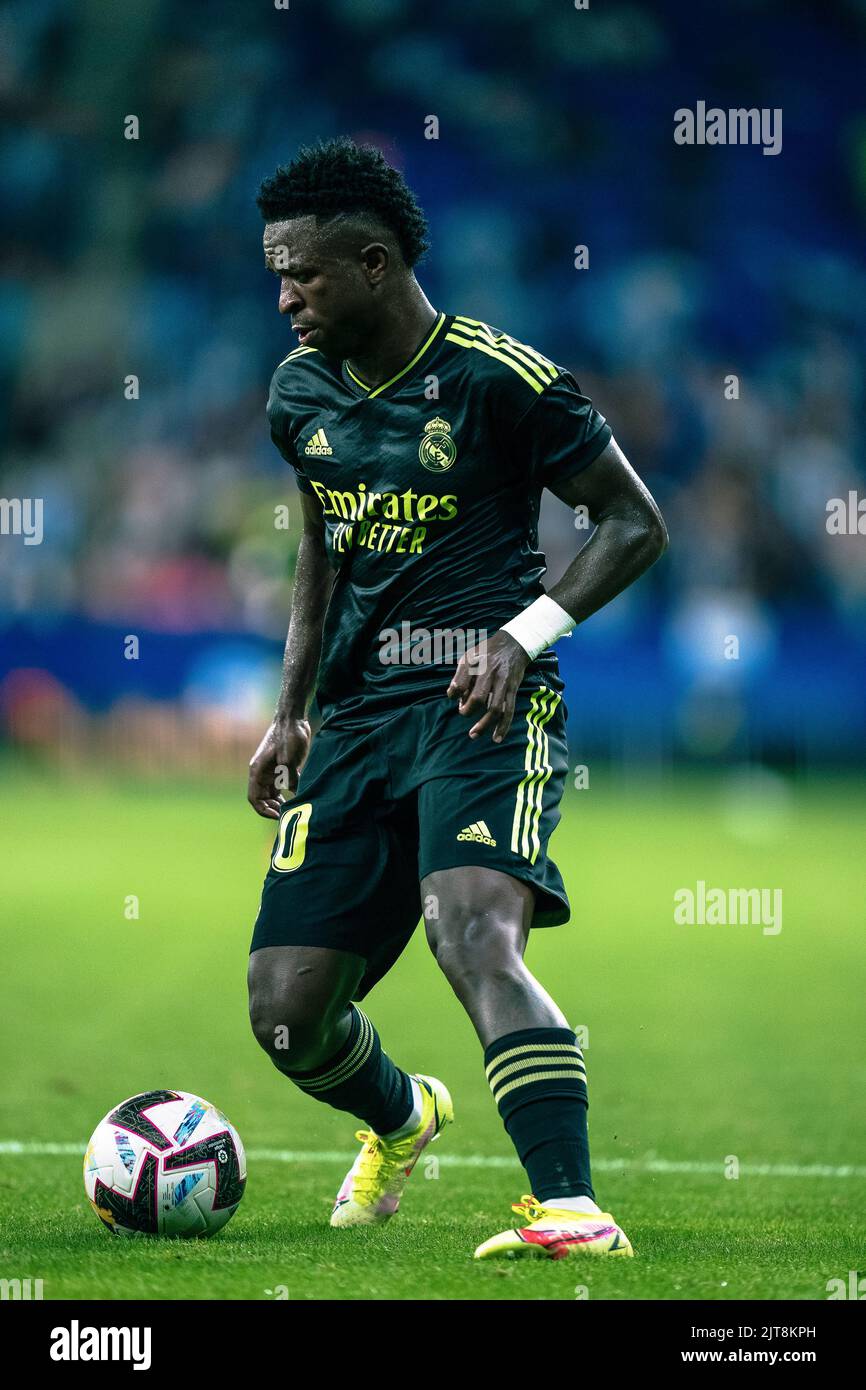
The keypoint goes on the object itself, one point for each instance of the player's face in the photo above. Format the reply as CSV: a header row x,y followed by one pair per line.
x,y
323,286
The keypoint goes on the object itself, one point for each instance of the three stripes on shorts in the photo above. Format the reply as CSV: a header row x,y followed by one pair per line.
x,y
525,839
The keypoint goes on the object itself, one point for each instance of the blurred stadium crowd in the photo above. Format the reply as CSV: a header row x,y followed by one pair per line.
x,y
141,258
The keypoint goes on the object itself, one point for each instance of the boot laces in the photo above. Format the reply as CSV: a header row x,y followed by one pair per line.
x,y
379,1155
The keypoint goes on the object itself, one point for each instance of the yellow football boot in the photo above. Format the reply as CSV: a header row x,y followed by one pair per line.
x,y
373,1186
557,1233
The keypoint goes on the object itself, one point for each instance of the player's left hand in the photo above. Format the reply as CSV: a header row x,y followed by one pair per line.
x,y
486,681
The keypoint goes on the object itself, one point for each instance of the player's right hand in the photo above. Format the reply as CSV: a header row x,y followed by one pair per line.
x,y
276,765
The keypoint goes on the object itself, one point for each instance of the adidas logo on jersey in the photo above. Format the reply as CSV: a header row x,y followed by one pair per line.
x,y
318,444
478,833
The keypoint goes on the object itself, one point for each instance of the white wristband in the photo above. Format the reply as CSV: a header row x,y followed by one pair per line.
x,y
539,626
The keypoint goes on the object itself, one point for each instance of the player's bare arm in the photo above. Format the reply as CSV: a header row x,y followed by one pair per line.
x,y
629,536
287,740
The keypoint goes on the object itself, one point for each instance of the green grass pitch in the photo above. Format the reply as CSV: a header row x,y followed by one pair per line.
x,y
706,1044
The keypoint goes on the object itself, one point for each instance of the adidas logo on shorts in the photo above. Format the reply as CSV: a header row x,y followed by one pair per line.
x,y
478,833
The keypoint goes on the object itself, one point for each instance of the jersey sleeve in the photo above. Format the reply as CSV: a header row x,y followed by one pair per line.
x,y
561,432
279,419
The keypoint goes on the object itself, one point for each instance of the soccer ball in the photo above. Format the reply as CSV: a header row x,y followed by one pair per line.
x,y
165,1163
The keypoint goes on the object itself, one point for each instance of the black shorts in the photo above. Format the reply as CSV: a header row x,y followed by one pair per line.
x,y
380,807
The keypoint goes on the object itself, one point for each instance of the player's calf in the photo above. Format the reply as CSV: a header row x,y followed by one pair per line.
x,y
533,1063
478,937
303,1017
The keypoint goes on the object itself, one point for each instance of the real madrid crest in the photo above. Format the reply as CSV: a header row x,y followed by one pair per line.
x,y
437,450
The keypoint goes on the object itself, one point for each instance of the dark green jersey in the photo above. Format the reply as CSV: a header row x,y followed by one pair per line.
x,y
430,487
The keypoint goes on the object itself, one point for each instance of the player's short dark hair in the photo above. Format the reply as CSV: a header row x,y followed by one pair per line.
x,y
338,176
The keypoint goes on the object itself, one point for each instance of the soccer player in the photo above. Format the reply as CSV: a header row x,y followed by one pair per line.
x,y
422,441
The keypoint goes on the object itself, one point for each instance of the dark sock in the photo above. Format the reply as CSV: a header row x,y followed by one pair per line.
x,y
361,1078
538,1081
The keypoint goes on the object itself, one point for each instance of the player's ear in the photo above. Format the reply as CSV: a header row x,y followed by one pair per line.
x,y
375,260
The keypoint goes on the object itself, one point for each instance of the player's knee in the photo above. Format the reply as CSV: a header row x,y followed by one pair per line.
x,y
294,1037
290,1023
474,945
